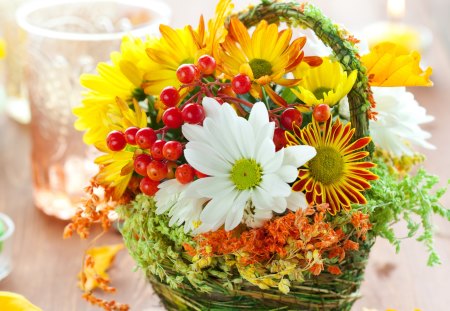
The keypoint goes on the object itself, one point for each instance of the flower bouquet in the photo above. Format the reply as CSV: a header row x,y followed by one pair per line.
x,y
244,171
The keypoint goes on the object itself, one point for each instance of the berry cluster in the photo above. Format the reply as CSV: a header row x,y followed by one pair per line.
x,y
157,159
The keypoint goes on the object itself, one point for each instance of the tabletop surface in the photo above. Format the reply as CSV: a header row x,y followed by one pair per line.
x,y
46,266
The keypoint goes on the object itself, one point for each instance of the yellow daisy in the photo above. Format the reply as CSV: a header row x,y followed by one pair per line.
x,y
265,56
122,78
324,84
183,46
116,168
335,175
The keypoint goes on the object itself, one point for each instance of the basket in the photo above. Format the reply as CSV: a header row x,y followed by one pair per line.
x,y
142,228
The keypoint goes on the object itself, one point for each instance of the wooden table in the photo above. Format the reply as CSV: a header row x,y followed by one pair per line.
x,y
46,266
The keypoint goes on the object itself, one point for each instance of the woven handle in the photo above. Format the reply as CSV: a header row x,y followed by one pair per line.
x,y
309,16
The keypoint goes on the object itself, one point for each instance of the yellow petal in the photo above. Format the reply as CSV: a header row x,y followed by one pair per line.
x,y
103,257
2,48
389,64
15,302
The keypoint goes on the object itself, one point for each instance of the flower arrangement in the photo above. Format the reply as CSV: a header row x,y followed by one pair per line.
x,y
248,174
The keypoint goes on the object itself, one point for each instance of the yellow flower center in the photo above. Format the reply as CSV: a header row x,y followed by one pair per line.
x,y
321,92
260,67
327,166
246,174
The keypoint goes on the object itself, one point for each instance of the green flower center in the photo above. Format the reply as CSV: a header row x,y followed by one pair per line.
x,y
260,67
320,92
246,174
327,166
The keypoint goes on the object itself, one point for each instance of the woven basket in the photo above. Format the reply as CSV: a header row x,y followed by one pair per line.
x,y
323,292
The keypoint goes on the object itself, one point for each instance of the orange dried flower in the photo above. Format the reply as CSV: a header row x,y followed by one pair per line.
x,y
334,270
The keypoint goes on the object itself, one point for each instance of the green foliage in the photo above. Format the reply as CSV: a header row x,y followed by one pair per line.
x,y
156,247
411,198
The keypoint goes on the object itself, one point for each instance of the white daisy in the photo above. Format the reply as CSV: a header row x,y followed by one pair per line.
x,y
239,157
398,121
171,197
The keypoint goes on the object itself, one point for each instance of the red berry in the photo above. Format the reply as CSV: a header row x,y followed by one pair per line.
x,y
187,73
172,150
141,162
291,117
157,170
241,84
206,64
185,174
156,149
200,174
279,138
193,113
116,141
169,96
130,135
145,137
321,112
148,186
173,118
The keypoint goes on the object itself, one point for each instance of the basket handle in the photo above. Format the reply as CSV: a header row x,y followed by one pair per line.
x,y
307,15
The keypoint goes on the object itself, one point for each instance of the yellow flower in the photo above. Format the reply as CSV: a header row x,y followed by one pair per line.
x,y
15,302
389,64
265,57
116,168
100,260
2,48
121,79
324,84
334,175
183,46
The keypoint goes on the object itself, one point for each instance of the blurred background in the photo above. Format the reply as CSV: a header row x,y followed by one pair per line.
x,y
45,266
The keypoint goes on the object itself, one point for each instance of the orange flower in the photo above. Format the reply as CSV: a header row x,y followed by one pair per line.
x,y
250,55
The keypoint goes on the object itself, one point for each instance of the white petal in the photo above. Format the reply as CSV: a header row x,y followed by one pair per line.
x,y
205,160
267,157
279,205
298,155
288,173
262,199
212,108
296,201
234,217
211,187
215,212
259,116
276,186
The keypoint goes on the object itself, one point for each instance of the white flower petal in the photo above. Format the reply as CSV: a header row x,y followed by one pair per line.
x,y
205,160
296,201
276,186
234,218
215,212
298,155
259,116
211,187
288,173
